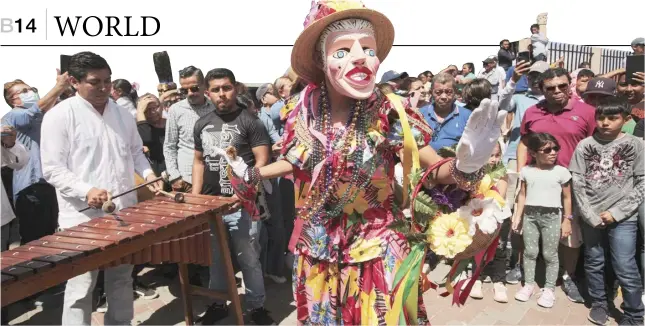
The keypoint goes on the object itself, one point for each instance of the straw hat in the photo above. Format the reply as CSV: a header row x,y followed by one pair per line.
x,y
322,14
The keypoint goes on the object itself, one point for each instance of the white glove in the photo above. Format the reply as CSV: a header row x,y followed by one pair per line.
x,y
480,136
239,168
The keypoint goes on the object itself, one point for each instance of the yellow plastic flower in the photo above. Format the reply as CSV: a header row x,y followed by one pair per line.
x,y
485,189
364,250
448,235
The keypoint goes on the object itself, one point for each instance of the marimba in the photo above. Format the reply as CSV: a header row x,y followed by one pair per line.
x,y
154,231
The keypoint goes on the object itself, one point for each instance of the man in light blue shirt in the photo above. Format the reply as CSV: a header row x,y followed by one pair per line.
x,y
446,118
35,200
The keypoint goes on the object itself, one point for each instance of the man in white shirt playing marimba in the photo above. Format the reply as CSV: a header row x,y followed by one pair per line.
x,y
90,148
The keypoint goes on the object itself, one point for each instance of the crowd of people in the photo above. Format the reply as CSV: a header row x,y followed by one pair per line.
x,y
572,146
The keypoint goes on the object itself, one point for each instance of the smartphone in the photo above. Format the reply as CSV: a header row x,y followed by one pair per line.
x,y
524,56
64,63
635,63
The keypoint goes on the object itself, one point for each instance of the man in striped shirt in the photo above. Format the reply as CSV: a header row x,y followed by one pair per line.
x,y
179,146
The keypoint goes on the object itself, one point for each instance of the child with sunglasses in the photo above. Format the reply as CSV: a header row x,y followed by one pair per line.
x,y
609,183
544,194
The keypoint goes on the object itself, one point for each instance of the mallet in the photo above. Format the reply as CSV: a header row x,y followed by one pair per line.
x,y
109,207
178,197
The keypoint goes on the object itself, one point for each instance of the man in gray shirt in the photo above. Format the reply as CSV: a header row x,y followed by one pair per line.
x,y
179,145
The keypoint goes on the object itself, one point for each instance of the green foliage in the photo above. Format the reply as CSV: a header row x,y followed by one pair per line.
x,y
496,172
424,208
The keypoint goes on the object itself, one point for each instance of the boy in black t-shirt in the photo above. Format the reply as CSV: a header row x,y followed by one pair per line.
x,y
231,125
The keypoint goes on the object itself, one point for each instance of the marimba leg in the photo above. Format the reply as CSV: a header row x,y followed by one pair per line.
x,y
225,253
184,280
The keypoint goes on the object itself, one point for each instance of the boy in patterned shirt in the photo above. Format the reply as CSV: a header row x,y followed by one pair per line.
x,y
608,185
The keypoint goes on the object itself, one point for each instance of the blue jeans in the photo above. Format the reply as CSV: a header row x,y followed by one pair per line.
x,y
617,243
244,238
273,237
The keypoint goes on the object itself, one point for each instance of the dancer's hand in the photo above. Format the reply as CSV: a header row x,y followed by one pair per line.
x,y
236,163
480,136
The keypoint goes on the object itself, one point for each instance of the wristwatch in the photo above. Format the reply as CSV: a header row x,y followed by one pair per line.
x,y
569,217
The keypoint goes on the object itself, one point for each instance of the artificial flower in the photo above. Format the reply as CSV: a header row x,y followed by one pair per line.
x,y
483,213
448,235
485,189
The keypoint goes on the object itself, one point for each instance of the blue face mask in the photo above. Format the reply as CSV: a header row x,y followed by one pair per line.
x,y
29,99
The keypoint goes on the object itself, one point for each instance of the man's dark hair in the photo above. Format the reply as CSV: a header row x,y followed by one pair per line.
x,y
220,73
475,92
586,73
535,26
502,41
471,66
191,71
82,62
584,64
553,73
610,105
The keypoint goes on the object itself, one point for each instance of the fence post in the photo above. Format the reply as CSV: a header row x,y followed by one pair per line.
x,y
596,60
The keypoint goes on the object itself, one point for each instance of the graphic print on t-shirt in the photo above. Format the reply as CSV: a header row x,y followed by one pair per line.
x,y
610,165
213,138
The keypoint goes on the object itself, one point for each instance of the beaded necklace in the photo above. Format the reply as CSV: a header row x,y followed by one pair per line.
x,y
355,129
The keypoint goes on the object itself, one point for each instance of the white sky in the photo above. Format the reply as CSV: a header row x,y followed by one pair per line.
x,y
280,22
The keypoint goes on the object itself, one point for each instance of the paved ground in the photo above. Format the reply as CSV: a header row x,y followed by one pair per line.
x,y
167,308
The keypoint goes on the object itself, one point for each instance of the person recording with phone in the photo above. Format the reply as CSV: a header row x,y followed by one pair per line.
x,y
34,199
14,156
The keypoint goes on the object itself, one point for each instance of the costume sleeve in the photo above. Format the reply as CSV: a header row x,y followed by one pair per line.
x,y
389,124
297,140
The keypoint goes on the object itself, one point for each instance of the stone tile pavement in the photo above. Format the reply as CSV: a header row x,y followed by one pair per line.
x,y
167,308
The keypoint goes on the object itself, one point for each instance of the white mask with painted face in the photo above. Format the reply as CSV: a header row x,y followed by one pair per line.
x,y
348,49
29,99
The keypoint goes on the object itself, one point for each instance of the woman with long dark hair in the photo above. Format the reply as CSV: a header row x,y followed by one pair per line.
x,y
125,95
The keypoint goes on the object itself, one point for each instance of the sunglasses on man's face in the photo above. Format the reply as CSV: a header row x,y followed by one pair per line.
x,y
193,89
548,150
562,87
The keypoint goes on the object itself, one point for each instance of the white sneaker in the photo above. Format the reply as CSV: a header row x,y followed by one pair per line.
x,y
500,292
476,291
277,279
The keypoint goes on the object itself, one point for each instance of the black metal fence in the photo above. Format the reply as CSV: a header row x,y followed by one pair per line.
x,y
573,54
611,60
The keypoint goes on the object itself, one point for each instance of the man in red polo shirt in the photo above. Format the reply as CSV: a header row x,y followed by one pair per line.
x,y
569,121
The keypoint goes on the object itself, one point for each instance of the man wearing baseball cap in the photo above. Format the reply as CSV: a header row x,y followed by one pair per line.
x,y
393,78
638,45
599,88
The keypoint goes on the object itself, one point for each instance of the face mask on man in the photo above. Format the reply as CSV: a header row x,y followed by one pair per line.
x,y
28,99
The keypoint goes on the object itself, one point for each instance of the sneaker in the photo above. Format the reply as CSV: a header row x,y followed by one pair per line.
x,y
525,293
547,298
144,291
260,316
598,314
514,276
500,292
570,288
476,291
277,279
102,306
213,314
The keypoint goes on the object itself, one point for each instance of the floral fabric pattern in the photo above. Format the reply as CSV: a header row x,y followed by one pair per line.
x,y
347,262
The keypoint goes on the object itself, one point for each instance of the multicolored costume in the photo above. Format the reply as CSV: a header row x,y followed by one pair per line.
x,y
359,259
